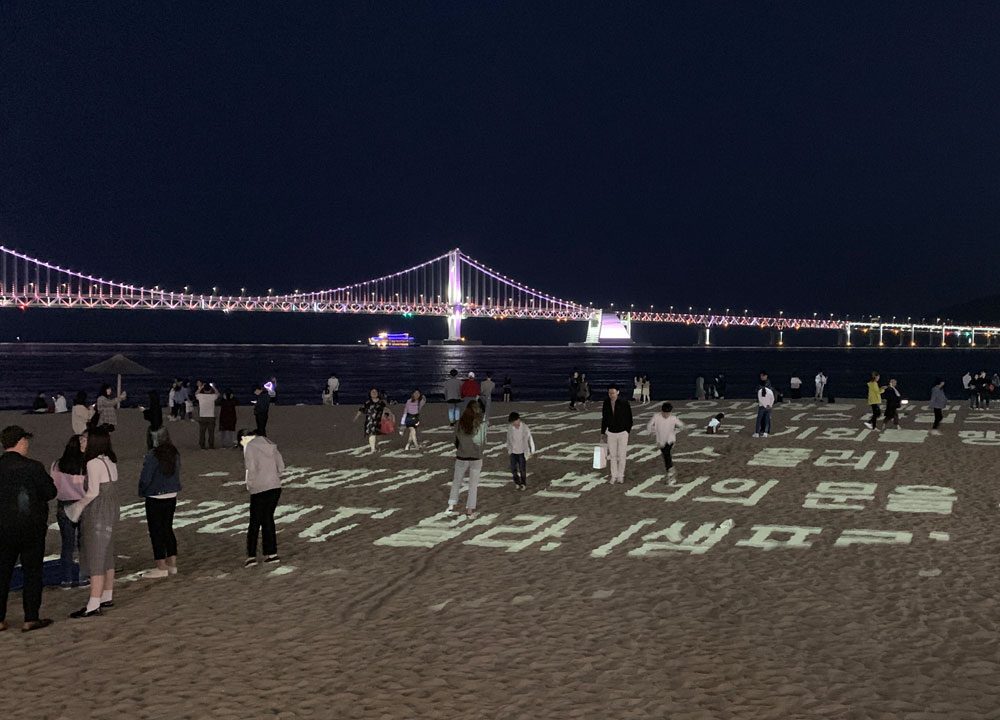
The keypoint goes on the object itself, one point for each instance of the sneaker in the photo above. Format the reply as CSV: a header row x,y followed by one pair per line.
x,y
756,435
869,425
272,559
156,573
450,510
471,514
250,562
935,432
763,434
521,486
172,569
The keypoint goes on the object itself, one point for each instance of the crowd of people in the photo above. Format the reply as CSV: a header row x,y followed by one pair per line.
x,y
84,480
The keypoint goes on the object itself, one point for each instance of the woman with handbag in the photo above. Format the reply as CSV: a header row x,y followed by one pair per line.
x,y
97,513
372,411
411,418
69,473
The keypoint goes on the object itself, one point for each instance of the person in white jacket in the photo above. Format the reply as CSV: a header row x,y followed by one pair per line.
x,y
264,466
820,384
663,426
521,446
765,401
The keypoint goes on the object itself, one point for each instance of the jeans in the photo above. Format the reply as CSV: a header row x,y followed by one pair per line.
x,y
206,427
472,468
617,450
938,416
876,412
69,531
227,438
262,507
261,419
763,420
666,450
518,468
453,411
160,521
29,545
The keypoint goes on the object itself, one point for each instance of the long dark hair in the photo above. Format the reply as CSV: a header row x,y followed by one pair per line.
x,y
470,420
99,443
166,454
72,462
81,398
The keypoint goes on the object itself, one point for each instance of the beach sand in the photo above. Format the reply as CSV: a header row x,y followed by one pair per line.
x,y
573,599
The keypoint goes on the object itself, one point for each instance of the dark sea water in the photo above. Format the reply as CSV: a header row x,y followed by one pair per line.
x,y
538,373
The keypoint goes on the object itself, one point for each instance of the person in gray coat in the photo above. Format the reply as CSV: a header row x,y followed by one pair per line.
x,y
939,401
264,466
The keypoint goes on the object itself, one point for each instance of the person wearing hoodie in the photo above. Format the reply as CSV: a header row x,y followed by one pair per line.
x,y
159,483
470,389
663,426
264,466
261,408
939,401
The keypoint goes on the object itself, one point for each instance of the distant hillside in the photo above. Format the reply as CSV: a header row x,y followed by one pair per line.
x,y
984,310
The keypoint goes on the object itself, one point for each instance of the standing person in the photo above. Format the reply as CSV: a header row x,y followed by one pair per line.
x,y
574,388
60,404
107,407
521,446
69,473
765,401
583,390
637,388
508,389
372,411
207,398
616,424
453,396
983,390
177,412
820,381
171,395
795,384
188,395
25,491
874,400
260,409
159,484
227,420
486,393
470,437
98,512
411,418
720,386
893,401
699,388
645,388
154,416
939,401
470,389
967,386
333,385
264,466
663,426
81,414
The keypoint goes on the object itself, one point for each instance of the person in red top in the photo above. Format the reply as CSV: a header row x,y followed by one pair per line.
x,y
470,389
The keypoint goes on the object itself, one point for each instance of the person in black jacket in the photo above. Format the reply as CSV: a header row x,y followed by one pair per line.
x,y
261,408
616,423
893,400
25,492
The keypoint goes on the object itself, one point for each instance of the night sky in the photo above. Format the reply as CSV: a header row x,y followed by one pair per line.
x,y
813,157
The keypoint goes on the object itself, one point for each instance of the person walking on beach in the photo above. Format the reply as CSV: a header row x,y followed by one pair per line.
x,y
699,388
180,394
874,401
453,396
98,512
171,394
574,388
521,447
967,387
261,408
646,386
333,386
411,418
795,385
486,389
663,426
893,401
616,424
207,398
470,437
81,414
720,386
637,388
227,420
507,393
159,484
154,416
939,401
820,384
470,389
69,473
583,390
372,411
107,407
25,492
188,394
765,402
264,466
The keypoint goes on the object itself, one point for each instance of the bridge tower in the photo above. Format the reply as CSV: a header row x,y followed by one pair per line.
x,y
454,298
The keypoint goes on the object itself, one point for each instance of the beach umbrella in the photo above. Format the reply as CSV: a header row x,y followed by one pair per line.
x,y
119,365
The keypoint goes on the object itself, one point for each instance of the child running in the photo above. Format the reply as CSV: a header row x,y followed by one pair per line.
x,y
663,426
521,446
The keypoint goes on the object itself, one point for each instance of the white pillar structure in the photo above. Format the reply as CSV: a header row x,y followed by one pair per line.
x,y
454,297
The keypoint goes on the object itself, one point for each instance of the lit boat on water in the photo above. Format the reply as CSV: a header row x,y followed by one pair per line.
x,y
388,340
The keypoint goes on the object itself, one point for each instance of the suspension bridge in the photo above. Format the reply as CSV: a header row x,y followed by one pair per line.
x,y
455,287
